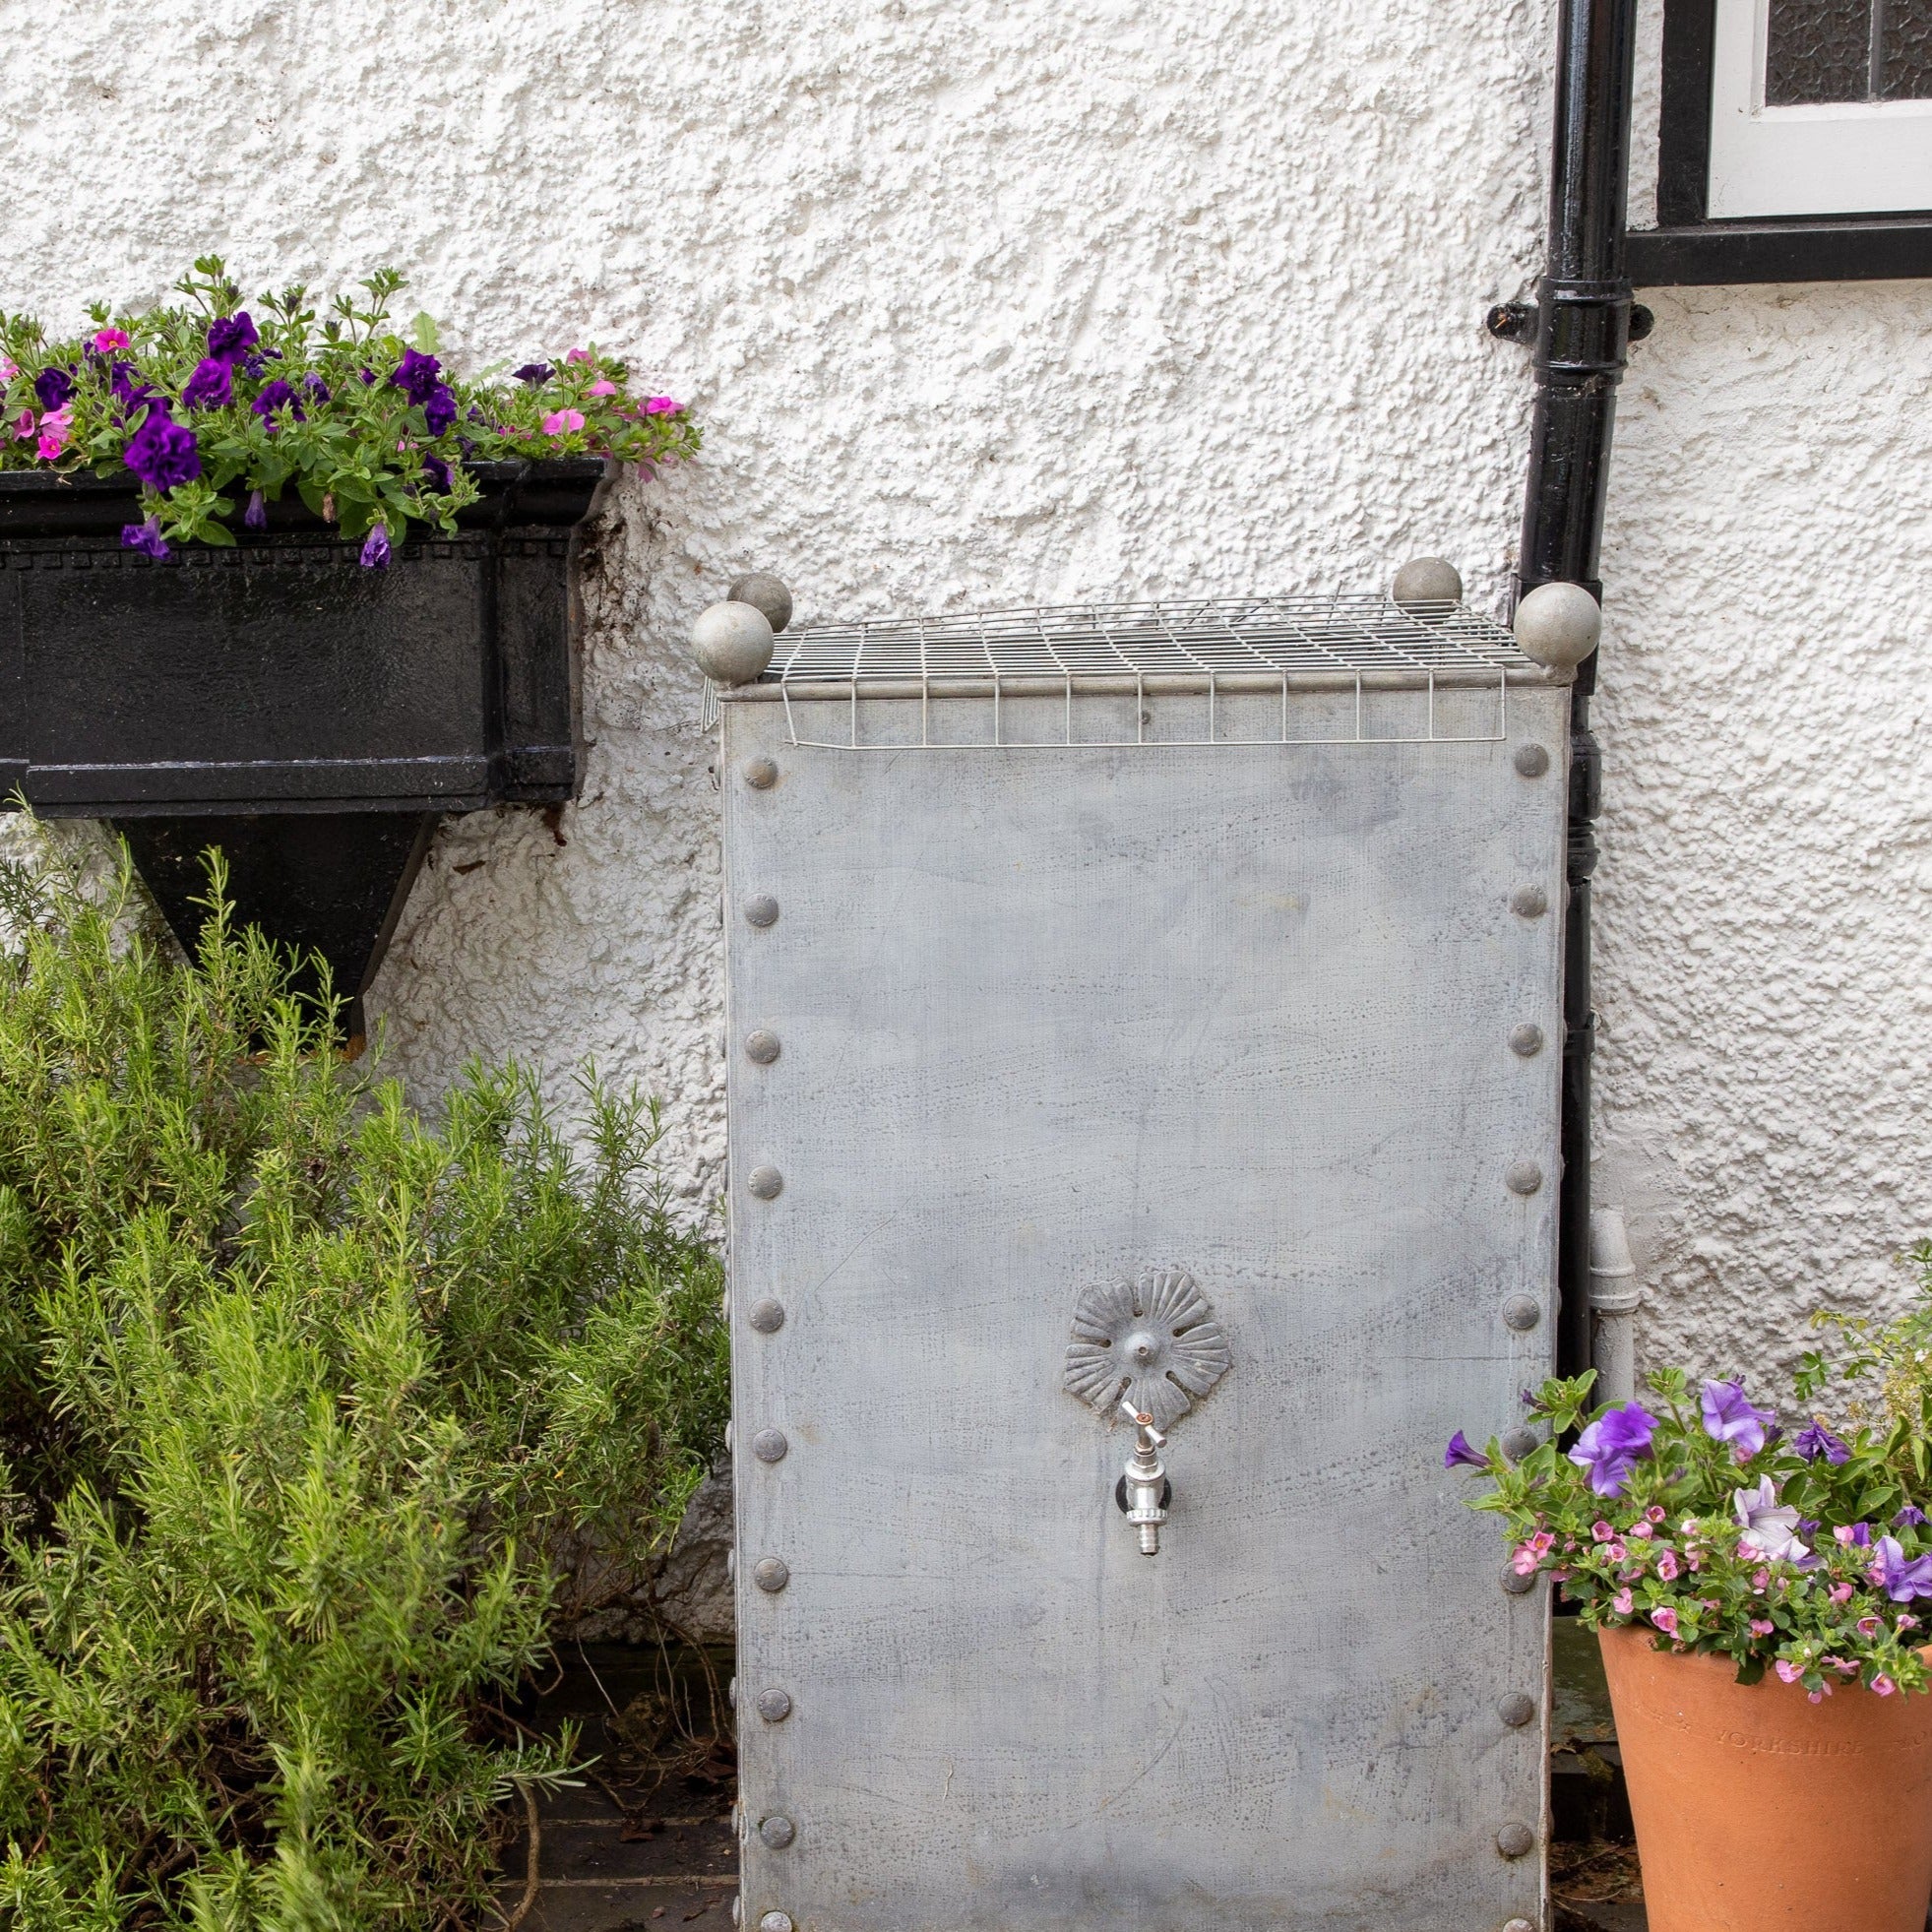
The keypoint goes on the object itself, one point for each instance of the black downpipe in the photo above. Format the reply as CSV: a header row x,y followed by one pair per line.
x,y
1583,330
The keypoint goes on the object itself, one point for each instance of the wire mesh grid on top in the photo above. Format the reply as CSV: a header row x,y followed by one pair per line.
x,y
1242,660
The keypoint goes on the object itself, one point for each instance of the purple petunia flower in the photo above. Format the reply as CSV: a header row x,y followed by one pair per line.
x,y
417,375
1900,1578
1816,1441
255,366
368,376
275,395
375,550
1460,1456
534,373
1853,1535
317,389
53,386
1766,1527
210,387
145,537
1610,1447
436,473
439,411
1729,1416
1912,1517
231,337
256,516
162,452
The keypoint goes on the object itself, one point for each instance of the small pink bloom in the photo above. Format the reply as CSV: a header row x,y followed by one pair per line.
x,y
24,426
1761,1627
1868,1626
579,356
1623,1603
1694,1558
660,405
1665,1621
1841,1592
106,338
1561,1576
1788,1670
1524,1562
1819,1695
1883,1685
1615,1552
9,368
602,388
560,422
1761,1580
1667,1565
1601,1532
53,434
1643,1530
1542,1542
1655,1514
1907,1623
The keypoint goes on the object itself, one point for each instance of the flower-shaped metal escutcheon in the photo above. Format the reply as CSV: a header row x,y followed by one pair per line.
x,y
1153,1342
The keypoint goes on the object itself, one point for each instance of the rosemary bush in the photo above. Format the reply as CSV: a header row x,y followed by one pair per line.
x,y
313,1416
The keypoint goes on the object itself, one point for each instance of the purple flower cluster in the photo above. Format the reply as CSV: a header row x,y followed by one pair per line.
x,y
1816,1440
420,378
1730,1417
1613,1445
53,388
145,537
210,387
162,452
231,337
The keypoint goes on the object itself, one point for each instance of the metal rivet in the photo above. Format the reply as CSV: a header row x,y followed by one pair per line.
x,y
761,774
762,910
777,1831
762,1047
765,1182
1526,1040
1532,761
766,1317
1526,902
1516,1840
1524,1178
1519,1585
731,1694
1518,1925
775,1707
776,1922
770,1574
1521,1313
1517,1711
730,1564
770,1445
728,1437
1521,1442
737,1909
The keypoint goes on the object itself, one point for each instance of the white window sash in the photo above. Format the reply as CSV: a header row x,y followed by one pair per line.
x,y
1854,157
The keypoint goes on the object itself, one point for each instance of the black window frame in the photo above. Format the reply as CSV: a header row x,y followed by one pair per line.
x,y
1687,247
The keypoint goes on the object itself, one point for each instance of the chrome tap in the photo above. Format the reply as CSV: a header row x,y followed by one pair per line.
x,y
1145,1492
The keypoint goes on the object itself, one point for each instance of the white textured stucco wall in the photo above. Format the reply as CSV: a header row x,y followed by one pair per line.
x,y
988,301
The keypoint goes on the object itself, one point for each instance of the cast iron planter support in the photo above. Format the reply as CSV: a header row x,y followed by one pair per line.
x,y
311,718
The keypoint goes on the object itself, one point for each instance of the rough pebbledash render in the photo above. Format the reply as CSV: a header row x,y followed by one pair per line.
x,y
989,302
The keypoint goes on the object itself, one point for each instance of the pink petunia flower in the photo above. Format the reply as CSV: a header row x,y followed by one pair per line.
x,y
1907,1623
579,356
1667,1565
1600,1531
1883,1685
1868,1626
1623,1603
602,388
660,405
1759,1580
1841,1592
1665,1621
560,422
24,426
1789,1671
1655,1514
53,434
1524,1561
9,368
109,339
1819,1695
1762,1627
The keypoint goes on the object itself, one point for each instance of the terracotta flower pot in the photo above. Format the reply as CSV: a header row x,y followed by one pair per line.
x,y
1755,1808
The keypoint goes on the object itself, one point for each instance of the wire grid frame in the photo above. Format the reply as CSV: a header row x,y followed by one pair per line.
x,y
1350,645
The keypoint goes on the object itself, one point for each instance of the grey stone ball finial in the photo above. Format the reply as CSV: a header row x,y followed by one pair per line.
x,y
766,593
732,643
1427,579
1558,625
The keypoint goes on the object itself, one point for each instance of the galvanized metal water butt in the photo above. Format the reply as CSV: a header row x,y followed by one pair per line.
x,y
1142,1156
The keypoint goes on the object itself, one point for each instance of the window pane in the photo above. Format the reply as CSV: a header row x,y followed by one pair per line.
x,y
1905,50
1821,50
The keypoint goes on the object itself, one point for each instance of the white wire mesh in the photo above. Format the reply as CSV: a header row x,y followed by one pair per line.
x,y
1350,650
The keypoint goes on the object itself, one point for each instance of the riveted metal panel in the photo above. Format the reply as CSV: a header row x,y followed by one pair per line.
x,y
1052,1019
